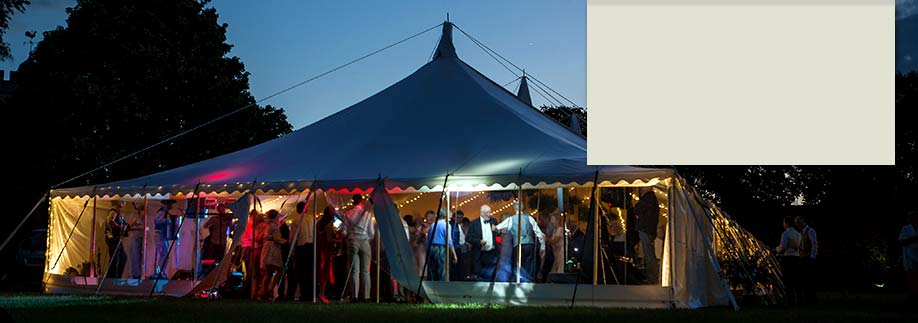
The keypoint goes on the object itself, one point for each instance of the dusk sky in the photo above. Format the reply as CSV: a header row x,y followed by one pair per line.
x,y
285,42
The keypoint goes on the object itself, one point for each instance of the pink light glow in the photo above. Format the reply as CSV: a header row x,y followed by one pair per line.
x,y
221,175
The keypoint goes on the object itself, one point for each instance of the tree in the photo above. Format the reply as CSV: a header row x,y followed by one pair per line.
x,y
741,188
123,75
7,9
564,113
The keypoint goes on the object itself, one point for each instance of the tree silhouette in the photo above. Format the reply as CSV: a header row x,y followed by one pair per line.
x,y
564,113
123,75
7,9
747,187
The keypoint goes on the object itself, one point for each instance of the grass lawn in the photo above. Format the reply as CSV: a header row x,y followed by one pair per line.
x,y
835,308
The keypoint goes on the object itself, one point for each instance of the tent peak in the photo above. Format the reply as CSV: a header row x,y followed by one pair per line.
x,y
445,48
523,92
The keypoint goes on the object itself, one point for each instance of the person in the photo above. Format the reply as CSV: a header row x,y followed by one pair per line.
x,y
166,231
419,248
647,211
908,238
465,262
268,236
809,246
326,245
437,252
481,239
456,239
288,281
115,231
132,243
788,252
575,244
521,235
249,255
557,243
219,227
301,229
359,231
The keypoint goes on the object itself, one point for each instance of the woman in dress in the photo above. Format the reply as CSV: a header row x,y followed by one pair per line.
x,y
557,243
271,259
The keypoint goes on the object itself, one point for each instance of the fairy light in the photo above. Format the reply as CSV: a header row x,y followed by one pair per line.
x,y
411,200
460,204
505,206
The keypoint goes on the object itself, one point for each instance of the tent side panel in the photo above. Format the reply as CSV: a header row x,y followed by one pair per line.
x,y
695,280
64,216
395,239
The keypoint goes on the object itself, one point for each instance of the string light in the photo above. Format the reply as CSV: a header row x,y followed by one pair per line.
x,y
411,200
505,206
460,204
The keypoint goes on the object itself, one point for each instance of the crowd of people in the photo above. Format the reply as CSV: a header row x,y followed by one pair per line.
x,y
473,247
545,246
277,251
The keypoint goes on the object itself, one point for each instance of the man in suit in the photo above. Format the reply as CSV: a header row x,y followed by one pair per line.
x,y
481,237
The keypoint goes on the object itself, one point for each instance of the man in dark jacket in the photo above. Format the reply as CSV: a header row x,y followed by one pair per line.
x,y
481,237
648,217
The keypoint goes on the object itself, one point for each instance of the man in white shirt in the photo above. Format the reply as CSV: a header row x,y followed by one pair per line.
x,y
358,226
481,238
790,240
523,242
788,252
908,237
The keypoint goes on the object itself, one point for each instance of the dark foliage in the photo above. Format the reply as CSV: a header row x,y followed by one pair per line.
x,y
7,9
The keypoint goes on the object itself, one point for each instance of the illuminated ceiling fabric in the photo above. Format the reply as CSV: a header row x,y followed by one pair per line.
x,y
444,117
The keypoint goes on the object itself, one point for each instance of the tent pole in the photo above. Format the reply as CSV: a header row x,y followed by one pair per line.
x,y
594,212
197,237
671,225
254,269
172,244
378,257
519,228
582,243
563,223
449,235
315,240
430,239
143,264
92,242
